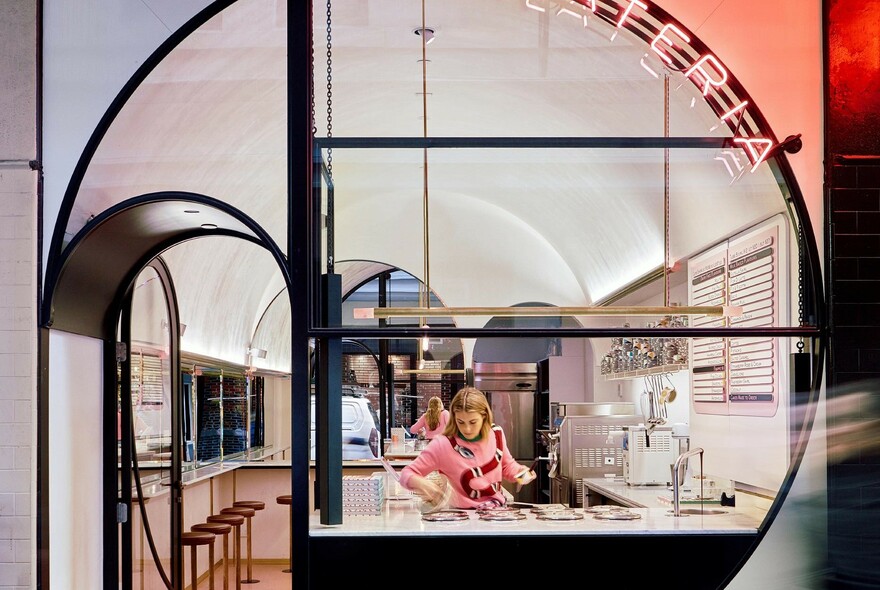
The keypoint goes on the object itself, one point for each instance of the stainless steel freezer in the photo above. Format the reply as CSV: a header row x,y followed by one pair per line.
x,y
510,388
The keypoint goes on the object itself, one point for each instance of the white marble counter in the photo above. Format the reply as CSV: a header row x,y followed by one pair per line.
x,y
643,496
637,496
402,518
159,487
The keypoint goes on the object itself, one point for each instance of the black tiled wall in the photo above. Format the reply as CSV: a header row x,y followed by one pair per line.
x,y
852,265
854,278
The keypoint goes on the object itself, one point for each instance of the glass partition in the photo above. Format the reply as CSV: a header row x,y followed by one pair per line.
x,y
151,430
564,225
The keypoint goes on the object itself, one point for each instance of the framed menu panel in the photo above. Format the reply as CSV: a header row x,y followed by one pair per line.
x,y
739,386
758,272
707,285
741,376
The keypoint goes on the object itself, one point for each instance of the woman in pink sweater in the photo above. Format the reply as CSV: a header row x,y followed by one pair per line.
x,y
471,454
434,420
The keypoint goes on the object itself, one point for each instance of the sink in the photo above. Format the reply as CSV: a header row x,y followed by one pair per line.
x,y
703,511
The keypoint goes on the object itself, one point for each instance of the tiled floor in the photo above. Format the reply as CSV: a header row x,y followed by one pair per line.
x,y
270,578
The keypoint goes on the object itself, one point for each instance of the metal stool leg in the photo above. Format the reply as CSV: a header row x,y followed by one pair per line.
x,y
211,565
250,578
238,557
288,499
248,509
226,561
193,539
290,540
231,534
194,568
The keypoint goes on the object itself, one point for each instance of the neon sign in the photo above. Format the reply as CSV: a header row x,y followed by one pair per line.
x,y
671,45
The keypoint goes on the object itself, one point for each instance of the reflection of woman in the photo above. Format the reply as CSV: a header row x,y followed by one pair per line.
x,y
434,420
472,454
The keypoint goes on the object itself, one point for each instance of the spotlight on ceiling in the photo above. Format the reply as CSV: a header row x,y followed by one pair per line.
x,y
428,32
258,353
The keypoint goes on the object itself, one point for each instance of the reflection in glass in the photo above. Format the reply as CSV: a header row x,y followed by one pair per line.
x,y
151,423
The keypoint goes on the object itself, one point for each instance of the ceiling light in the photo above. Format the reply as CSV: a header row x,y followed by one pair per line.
x,y
259,353
429,33
209,226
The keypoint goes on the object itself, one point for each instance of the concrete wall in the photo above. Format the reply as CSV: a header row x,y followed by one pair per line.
x,y
18,294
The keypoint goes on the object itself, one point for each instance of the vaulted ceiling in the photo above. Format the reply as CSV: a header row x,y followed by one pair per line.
x,y
559,225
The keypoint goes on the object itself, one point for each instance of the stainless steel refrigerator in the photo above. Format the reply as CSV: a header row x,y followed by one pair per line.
x,y
510,388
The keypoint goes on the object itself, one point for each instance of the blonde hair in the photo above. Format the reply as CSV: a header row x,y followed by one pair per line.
x,y
432,416
470,399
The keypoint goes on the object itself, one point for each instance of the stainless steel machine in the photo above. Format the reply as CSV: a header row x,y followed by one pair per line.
x,y
510,388
648,455
584,445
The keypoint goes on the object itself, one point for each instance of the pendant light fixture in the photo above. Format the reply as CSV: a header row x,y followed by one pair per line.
x,y
425,286
426,34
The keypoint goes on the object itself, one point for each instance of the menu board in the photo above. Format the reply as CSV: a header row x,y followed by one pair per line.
x,y
739,376
707,285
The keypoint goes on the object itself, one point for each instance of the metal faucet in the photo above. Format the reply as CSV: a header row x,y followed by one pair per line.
x,y
676,477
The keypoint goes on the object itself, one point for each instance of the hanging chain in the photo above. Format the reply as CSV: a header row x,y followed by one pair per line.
x,y
312,80
666,192
800,344
329,86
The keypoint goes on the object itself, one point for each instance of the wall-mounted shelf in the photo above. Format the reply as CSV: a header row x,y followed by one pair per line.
x,y
644,372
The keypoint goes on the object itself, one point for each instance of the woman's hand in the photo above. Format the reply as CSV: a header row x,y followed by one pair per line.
x,y
525,477
426,489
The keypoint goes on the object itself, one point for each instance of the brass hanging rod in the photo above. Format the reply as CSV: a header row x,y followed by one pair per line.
x,y
366,313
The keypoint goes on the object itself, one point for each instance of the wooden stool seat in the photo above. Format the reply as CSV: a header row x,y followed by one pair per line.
x,y
230,519
248,512
240,511
255,504
193,540
287,499
216,528
236,521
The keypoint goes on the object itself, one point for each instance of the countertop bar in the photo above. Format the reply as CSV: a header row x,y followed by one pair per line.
x,y
639,496
194,476
402,518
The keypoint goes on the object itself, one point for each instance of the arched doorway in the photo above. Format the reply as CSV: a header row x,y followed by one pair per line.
x,y
92,295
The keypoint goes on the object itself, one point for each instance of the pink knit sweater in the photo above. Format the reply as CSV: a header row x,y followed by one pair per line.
x,y
423,423
471,484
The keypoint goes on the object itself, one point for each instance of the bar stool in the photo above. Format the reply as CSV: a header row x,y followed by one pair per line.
x,y
235,521
216,528
248,514
193,540
256,505
288,500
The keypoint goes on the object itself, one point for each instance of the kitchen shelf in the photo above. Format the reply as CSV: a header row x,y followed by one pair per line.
x,y
644,372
